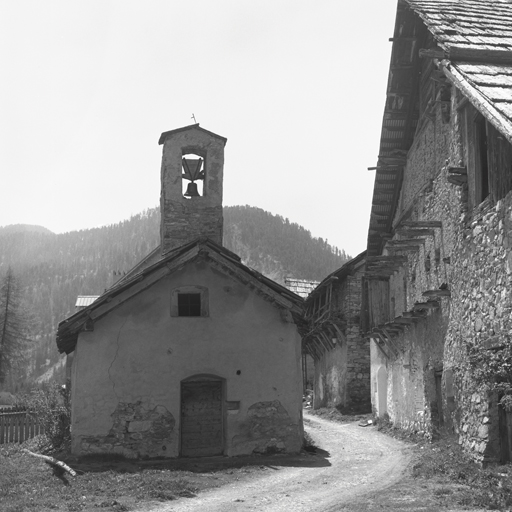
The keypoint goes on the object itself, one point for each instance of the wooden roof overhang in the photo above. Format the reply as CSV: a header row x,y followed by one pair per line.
x,y
399,123
224,260
323,328
474,42
473,49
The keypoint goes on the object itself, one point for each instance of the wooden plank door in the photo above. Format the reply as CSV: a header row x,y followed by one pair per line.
x,y
201,418
505,428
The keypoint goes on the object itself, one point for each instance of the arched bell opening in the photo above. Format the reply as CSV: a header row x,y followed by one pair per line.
x,y
193,175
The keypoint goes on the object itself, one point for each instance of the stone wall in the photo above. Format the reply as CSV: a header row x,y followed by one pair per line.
x,y
471,257
185,219
358,351
342,374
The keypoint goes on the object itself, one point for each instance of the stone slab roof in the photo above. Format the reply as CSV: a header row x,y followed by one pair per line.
x,y
83,301
470,41
476,36
472,24
302,287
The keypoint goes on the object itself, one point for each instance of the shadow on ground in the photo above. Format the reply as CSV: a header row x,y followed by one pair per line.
x,y
99,463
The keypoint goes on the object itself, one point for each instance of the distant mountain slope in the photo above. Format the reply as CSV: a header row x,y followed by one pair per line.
x,y
277,247
56,268
20,228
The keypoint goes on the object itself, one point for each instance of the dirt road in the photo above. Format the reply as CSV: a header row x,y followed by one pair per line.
x,y
356,461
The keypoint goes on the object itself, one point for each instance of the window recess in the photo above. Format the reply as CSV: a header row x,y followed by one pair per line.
x,y
489,159
190,301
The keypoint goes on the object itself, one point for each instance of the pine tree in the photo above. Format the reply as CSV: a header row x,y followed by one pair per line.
x,y
13,327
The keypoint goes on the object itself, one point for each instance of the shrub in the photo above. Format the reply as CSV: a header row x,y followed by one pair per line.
x,y
52,406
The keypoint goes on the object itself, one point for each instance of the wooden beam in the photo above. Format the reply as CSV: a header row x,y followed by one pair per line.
x,y
387,340
414,232
312,350
377,277
404,320
414,314
403,248
378,274
457,179
398,158
375,267
379,346
433,304
322,342
394,327
436,293
422,223
391,259
327,340
432,53
457,170
317,349
480,55
406,241
340,333
389,337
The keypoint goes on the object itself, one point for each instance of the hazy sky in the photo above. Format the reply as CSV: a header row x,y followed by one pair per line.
x,y
297,87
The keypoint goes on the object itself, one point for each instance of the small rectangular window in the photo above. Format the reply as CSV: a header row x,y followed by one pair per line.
x,y
189,304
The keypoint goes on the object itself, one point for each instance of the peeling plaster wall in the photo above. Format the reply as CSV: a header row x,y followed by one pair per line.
x,y
330,378
127,372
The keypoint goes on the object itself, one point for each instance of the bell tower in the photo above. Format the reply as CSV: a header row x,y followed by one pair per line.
x,y
191,180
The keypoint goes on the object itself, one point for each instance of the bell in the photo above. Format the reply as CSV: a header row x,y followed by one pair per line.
x,y
191,190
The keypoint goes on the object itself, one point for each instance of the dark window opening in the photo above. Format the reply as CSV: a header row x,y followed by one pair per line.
x,y
481,158
189,304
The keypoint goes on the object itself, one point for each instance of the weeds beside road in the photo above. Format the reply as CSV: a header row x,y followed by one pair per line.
x,y
440,476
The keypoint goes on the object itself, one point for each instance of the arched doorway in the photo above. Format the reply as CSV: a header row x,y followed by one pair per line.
x,y
382,391
202,416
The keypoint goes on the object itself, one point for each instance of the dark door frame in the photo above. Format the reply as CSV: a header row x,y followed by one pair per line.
x,y
205,377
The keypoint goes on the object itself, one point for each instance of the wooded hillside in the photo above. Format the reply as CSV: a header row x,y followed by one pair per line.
x,y
55,269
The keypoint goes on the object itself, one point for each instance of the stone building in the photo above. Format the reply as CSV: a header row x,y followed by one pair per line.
x,y
340,353
437,292
191,353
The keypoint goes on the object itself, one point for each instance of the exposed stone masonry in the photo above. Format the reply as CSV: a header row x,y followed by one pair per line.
x,y
471,255
136,432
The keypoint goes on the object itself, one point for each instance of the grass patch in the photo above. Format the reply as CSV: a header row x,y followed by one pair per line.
x,y
451,475
112,484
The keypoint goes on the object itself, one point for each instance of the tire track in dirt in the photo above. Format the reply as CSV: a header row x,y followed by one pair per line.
x,y
359,461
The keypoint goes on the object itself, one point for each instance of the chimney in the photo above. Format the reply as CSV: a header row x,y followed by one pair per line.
x,y
191,194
